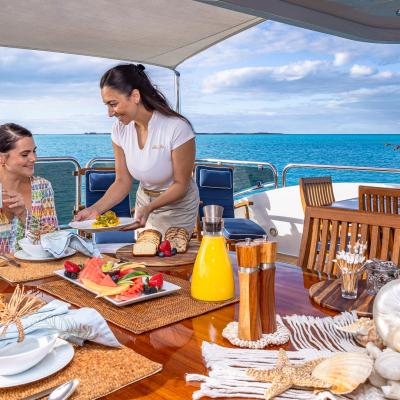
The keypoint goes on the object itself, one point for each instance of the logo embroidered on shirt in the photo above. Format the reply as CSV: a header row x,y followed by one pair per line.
x,y
158,147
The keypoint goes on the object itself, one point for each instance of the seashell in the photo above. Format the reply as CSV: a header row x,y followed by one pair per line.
x,y
387,365
373,350
376,380
364,331
344,371
391,390
386,313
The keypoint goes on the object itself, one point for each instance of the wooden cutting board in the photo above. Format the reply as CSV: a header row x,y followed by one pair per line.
x,y
328,294
125,254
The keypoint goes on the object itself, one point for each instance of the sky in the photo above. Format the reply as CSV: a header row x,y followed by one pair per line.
x,y
270,78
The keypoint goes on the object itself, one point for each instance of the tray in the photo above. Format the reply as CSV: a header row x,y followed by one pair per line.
x,y
168,288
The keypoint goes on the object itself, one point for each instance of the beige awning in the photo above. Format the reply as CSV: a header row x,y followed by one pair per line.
x,y
158,32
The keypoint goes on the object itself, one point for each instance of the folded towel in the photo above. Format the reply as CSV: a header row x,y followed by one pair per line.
x,y
56,243
75,325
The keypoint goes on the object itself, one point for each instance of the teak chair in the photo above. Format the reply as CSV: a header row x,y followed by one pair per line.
x,y
379,199
328,230
316,191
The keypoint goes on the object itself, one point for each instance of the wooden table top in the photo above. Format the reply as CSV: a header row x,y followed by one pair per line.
x,y
178,346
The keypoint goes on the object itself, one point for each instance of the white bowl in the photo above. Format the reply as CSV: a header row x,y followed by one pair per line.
x,y
34,250
18,357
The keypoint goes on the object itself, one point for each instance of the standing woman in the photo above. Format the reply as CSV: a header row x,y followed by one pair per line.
x,y
153,144
27,201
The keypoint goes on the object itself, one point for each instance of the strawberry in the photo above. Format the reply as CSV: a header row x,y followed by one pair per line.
x,y
165,246
156,280
71,267
167,254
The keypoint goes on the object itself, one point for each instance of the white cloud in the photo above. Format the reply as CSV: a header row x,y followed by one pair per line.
x,y
361,70
341,58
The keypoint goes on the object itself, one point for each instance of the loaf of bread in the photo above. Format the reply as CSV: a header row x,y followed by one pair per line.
x,y
147,243
179,238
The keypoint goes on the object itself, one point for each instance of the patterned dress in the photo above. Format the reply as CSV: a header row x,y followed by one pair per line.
x,y
41,219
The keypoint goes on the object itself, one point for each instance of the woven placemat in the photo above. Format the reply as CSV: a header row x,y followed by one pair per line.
x,y
140,317
32,270
115,368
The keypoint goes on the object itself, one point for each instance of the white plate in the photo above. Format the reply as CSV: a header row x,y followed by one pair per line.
x,y
58,358
21,255
87,225
168,288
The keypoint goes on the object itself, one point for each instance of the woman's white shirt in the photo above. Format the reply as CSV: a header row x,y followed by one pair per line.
x,y
152,165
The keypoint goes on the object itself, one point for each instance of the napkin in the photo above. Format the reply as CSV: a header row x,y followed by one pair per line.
x,y
56,243
75,325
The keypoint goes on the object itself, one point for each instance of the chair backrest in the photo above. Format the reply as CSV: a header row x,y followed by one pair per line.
x,y
215,187
316,191
328,230
379,199
96,184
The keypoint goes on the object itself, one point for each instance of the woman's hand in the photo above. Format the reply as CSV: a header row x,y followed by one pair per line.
x,y
141,217
15,204
86,213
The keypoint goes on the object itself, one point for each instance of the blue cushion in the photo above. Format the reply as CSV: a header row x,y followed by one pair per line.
x,y
242,228
215,178
115,237
100,181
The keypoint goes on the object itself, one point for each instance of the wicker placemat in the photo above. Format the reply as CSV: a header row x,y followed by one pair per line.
x,y
140,317
31,270
115,368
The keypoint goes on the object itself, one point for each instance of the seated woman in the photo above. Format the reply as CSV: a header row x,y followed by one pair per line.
x,y
27,208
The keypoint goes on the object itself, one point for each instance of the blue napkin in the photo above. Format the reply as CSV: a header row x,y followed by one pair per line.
x,y
75,325
57,243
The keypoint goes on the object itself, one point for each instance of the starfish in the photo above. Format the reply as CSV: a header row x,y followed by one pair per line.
x,y
286,375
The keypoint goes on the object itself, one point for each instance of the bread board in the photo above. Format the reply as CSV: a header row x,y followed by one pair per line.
x,y
125,254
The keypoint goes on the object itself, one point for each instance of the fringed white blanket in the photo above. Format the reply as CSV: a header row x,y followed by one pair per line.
x,y
312,338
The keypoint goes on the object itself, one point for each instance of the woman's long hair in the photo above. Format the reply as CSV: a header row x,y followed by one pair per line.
x,y
10,134
126,77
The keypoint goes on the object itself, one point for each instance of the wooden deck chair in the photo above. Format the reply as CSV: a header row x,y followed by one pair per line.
x,y
379,199
341,227
316,191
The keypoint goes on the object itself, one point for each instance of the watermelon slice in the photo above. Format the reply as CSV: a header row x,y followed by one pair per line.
x,y
107,281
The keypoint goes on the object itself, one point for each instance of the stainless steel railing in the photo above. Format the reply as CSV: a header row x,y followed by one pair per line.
x,y
335,167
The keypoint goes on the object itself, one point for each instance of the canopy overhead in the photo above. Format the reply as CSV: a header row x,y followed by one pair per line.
x,y
158,32
363,20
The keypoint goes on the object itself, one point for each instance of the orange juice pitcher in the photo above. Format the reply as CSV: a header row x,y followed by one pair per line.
x,y
212,278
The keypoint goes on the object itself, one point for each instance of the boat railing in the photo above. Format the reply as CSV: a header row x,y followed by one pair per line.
x,y
289,167
249,176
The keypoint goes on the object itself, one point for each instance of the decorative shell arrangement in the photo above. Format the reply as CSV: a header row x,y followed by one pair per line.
x,y
344,371
364,331
386,313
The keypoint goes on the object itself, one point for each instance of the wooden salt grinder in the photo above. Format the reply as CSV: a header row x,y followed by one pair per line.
x,y
248,259
267,285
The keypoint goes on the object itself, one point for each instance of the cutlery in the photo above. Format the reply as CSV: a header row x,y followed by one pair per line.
x,y
59,392
10,261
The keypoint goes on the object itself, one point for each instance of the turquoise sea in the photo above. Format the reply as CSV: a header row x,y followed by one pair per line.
x,y
359,150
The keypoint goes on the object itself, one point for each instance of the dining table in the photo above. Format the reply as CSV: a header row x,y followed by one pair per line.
x,y
178,346
350,204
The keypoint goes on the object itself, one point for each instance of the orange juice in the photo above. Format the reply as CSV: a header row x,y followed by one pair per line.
x,y
212,278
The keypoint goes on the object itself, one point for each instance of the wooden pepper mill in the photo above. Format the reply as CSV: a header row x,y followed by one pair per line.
x,y
248,259
267,284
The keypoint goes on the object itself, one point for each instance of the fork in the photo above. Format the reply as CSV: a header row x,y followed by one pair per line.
x,y
10,261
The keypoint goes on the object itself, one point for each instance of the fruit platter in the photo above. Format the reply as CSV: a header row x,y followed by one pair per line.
x,y
121,283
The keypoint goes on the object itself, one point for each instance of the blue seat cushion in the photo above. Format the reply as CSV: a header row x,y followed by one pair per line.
x,y
115,237
215,178
100,181
242,228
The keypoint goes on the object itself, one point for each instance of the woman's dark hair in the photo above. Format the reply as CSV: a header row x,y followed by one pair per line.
x,y
126,77
10,134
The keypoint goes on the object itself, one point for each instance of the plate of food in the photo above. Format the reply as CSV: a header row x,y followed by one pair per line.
x,y
103,223
119,283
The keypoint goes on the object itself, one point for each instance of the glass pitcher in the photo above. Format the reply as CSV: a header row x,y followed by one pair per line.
x,y
212,278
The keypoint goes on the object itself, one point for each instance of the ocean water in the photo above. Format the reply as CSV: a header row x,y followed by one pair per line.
x,y
280,150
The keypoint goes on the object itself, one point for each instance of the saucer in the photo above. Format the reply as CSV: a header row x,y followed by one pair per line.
x,y
21,255
58,358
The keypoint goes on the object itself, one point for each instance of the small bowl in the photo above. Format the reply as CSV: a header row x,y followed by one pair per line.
x,y
18,357
34,250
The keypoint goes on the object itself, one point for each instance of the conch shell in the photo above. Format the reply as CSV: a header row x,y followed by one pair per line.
x,y
364,331
387,365
386,313
344,371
